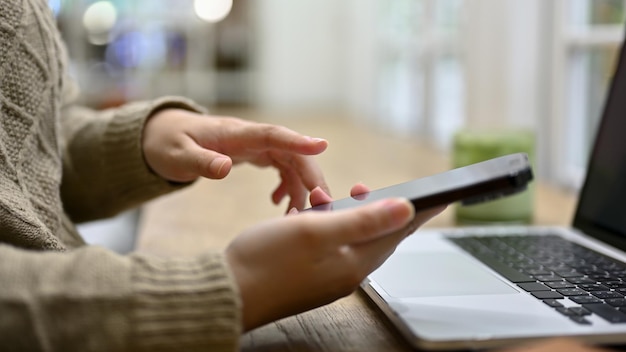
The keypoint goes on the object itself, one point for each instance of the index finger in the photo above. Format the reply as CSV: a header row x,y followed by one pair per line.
x,y
267,136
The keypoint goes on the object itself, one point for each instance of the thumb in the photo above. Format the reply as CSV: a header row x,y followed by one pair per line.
x,y
208,163
367,222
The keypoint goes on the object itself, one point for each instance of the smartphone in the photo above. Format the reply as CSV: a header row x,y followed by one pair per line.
x,y
472,184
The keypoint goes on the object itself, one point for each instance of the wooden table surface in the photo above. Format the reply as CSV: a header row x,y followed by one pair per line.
x,y
207,215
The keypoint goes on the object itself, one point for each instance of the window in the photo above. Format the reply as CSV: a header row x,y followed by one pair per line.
x,y
421,83
543,65
588,34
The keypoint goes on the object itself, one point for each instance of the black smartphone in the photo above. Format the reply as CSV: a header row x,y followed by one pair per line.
x,y
472,184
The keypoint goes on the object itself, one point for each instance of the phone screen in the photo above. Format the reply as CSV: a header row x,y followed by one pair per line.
x,y
474,183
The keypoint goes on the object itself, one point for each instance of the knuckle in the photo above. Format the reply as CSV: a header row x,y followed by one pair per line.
x,y
274,133
365,223
175,153
308,236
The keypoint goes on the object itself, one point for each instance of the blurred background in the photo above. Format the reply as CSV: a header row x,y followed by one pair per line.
x,y
417,68
408,69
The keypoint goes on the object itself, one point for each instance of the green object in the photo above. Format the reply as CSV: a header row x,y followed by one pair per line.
x,y
472,146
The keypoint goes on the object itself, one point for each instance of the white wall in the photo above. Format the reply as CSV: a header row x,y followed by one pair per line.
x,y
315,54
361,56
299,47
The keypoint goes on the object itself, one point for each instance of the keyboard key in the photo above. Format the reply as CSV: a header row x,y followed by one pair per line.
x,y
581,280
606,312
533,286
565,311
552,303
560,284
567,274
572,292
538,272
594,273
585,299
548,278
615,284
547,294
593,287
571,311
616,302
607,294
580,320
560,267
580,311
530,267
612,279
603,278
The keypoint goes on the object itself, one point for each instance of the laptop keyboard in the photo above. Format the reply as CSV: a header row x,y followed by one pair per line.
x,y
576,281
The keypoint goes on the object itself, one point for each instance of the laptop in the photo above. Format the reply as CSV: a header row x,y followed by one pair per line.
x,y
482,287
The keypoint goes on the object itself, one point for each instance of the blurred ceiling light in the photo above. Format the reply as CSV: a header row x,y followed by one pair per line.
x,y
99,19
212,10
99,38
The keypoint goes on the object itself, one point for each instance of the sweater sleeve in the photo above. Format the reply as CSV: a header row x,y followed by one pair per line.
x,y
104,171
91,299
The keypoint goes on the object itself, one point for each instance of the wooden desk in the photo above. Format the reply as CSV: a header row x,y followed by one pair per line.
x,y
207,215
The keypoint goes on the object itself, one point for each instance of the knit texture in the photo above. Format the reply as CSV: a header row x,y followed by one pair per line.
x,y
60,163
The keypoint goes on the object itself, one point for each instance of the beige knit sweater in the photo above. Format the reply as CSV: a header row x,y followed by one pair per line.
x,y
60,162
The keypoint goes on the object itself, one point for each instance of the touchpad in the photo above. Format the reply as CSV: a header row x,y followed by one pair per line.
x,y
436,274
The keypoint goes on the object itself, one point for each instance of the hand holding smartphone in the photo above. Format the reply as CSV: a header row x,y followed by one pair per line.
x,y
476,183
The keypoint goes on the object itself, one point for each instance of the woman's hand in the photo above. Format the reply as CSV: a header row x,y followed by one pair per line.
x,y
318,196
181,146
289,265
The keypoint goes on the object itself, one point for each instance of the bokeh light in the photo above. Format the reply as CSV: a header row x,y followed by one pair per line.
x,y
99,19
212,10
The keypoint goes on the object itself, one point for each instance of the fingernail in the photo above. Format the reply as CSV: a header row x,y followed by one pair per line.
x,y
217,165
292,211
316,140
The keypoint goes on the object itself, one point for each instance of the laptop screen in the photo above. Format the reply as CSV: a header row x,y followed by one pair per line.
x,y
601,211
